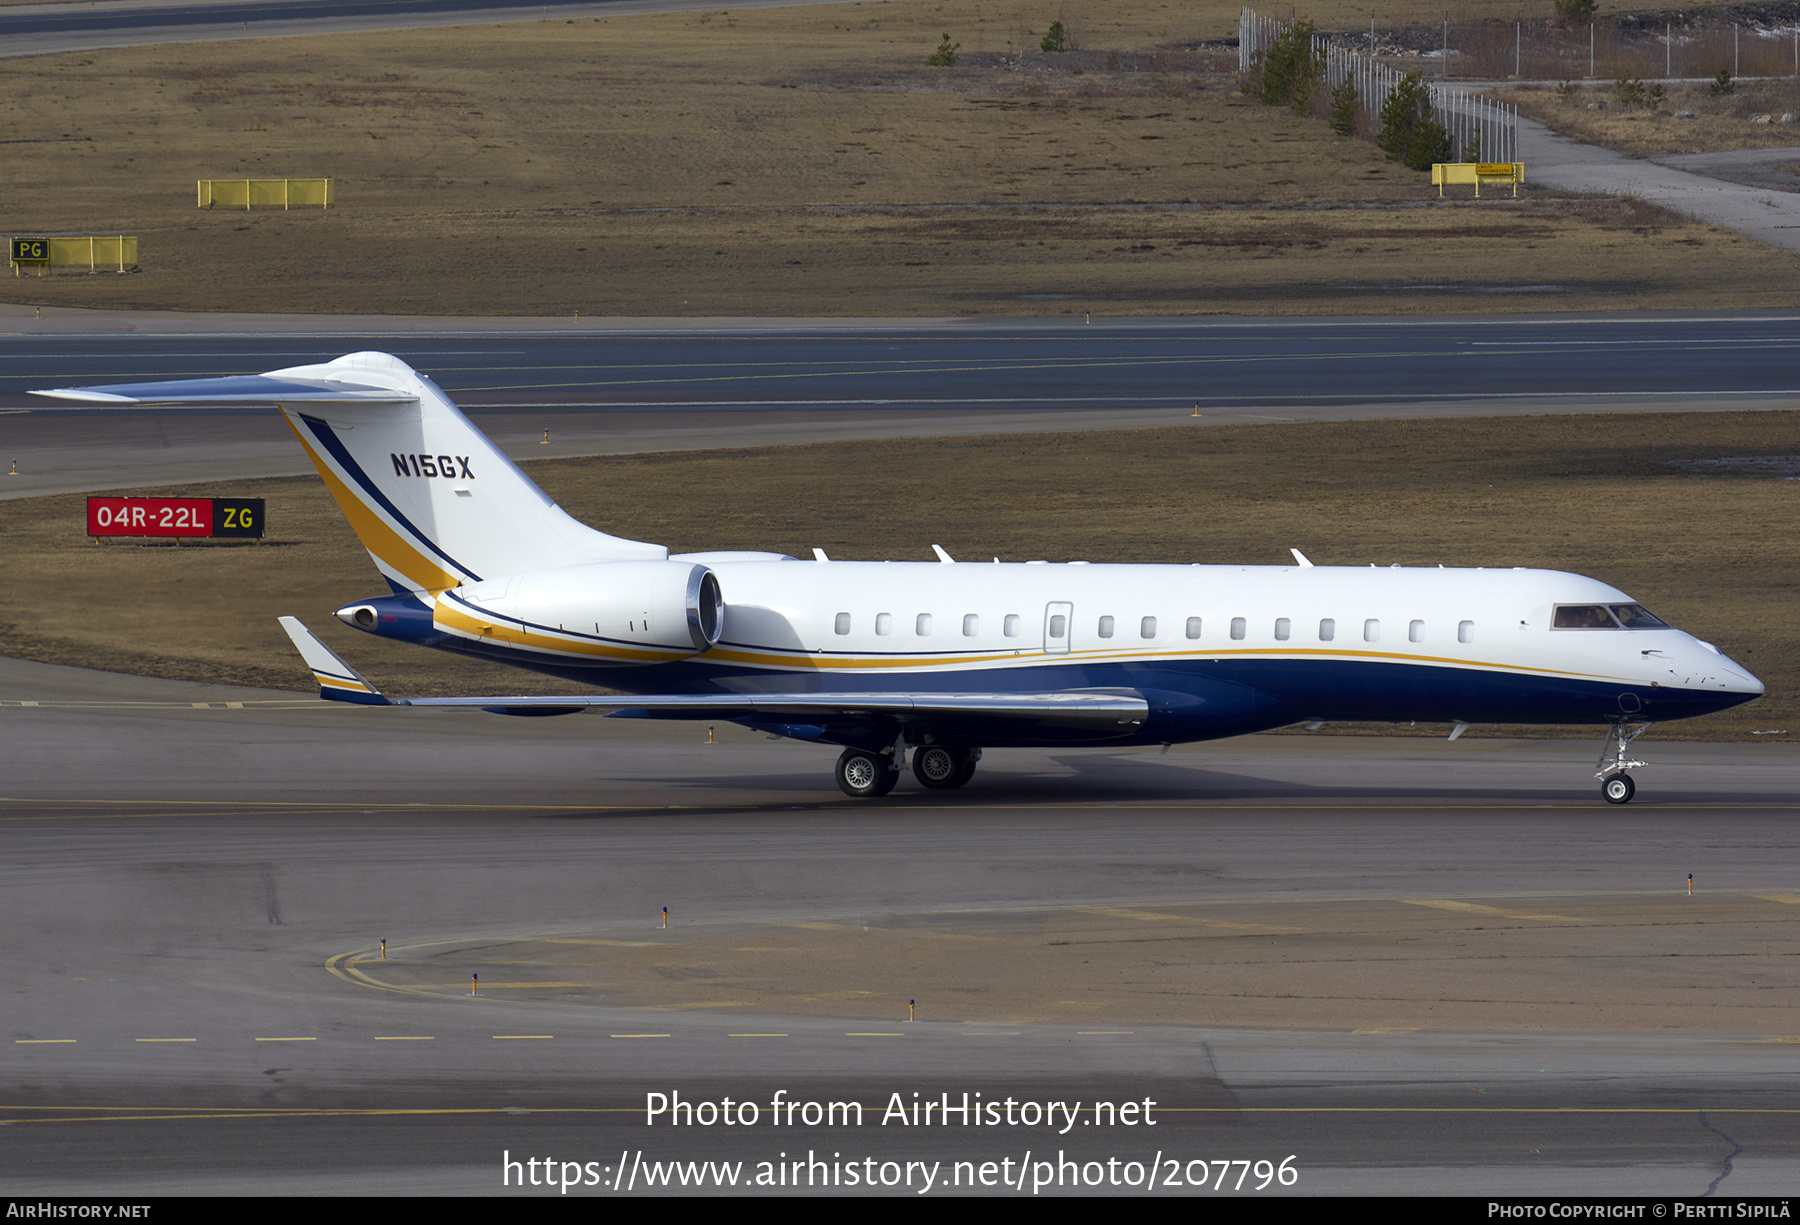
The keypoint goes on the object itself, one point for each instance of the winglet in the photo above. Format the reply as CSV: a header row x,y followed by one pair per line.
x,y
338,681
1301,558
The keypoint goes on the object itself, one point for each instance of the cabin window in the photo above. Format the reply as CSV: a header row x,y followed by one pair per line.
x,y
1327,629
922,627
1283,627
1012,625
1147,628
1237,627
1193,627
884,623
1371,630
1465,631
1415,631
843,623
1106,627
1059,626
971,625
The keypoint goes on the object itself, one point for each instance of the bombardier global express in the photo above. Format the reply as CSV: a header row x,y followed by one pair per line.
x,y
938,660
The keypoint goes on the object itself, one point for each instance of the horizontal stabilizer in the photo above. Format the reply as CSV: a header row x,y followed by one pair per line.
x,y
238,389
1091,710
338,681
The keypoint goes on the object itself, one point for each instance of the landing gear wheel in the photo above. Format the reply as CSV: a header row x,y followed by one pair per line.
x,y
1618,789
940,768
865,775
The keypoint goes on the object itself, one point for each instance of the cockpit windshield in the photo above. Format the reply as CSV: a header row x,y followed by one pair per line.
x,y
1606,617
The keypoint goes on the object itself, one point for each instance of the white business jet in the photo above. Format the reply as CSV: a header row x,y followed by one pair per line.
x,y
942,659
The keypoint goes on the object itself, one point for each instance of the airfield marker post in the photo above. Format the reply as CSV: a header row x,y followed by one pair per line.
x,y
384,950
665,916
474,984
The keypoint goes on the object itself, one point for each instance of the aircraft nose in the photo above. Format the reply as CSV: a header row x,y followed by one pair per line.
x,y
1737,680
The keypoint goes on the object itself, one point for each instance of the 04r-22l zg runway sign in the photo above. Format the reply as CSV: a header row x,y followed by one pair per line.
x,y
182,517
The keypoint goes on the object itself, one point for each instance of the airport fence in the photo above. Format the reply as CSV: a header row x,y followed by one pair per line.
x,y
1475,125
1683,46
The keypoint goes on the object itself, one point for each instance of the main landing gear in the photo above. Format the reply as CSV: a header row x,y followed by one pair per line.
x,y
1616,786
865,775
941,768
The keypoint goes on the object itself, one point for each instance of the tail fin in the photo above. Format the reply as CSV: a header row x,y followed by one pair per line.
x,y
434,502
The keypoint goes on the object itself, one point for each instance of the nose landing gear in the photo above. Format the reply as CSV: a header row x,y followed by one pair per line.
x,y
1616,786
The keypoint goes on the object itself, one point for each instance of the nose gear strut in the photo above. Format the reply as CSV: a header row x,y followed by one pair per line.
x,y
1616,786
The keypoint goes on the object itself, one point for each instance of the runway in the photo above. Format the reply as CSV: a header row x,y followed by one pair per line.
x,y
614,388
1397,965
195,898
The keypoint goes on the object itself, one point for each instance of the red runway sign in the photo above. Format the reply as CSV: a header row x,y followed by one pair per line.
x,y
175,517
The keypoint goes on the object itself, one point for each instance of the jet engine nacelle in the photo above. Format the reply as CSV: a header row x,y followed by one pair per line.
x,y
670,608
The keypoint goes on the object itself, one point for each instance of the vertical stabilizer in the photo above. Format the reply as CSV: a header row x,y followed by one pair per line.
x,y
432,499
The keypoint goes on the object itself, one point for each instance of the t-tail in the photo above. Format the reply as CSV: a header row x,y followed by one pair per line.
x,y
434,502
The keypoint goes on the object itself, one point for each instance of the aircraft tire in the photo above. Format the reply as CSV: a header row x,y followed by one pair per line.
x,y
1618,789
864,775
940,768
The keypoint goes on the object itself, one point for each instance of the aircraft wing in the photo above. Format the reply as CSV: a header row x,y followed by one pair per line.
x,y
238,389
1091,710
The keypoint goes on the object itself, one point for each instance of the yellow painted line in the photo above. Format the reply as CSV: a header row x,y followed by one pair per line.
x,y
1098,1033
165,1039
403,1038
639,1035
521,1037
992,1033
1496,912
619,944
41,1041
880,1034
1784,1038
1389,1029
756,1035
1151,916
1791,899
286,1039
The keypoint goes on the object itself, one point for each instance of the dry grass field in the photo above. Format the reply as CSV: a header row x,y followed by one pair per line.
x,y
1720,121
1629,499
800,161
